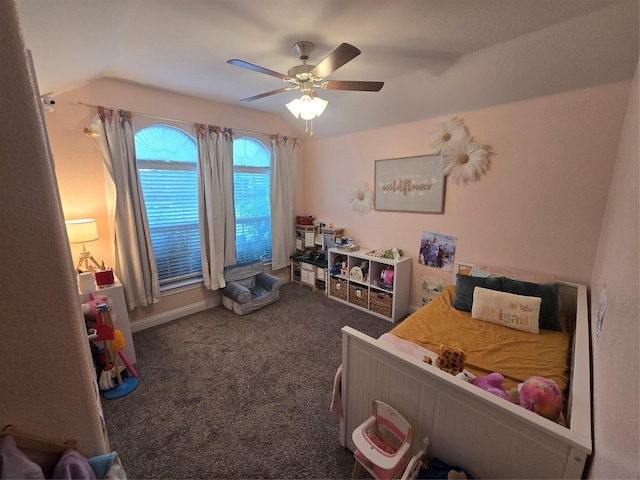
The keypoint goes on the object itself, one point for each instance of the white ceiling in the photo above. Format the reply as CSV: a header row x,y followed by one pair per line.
x,y
436,57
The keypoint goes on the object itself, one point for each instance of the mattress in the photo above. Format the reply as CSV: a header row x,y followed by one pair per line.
x,y
515,354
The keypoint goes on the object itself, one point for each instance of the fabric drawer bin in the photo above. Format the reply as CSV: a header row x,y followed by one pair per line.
x,y
339,288
382,303
359,295
296,272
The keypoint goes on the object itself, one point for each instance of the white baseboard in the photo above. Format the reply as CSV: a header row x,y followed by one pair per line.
x,y
165,317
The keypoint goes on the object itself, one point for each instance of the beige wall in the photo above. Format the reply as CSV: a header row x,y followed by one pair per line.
x,y
79,165
539,207
615,352
47,387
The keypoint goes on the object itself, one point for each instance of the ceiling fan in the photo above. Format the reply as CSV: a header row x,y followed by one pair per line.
x,y
309,77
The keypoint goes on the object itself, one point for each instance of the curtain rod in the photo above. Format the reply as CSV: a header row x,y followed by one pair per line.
x,y
168,119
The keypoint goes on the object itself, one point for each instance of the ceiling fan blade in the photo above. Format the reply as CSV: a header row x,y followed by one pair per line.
x,y
272,92
341,55
256,68
352,85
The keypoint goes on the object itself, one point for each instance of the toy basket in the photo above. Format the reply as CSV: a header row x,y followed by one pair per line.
x,y
381,302
339,288
359,295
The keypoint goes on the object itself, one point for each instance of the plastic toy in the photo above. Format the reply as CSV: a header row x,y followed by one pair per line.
x,y
113,342
90,307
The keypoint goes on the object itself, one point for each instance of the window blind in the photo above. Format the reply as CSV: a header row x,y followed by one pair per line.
x,y
171,200
253,214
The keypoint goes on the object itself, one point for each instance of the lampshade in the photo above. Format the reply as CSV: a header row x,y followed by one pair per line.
x,y
81,231
306,107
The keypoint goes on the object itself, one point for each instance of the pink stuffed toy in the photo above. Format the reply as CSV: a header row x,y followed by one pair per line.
x,y
90,307
492,383
542,396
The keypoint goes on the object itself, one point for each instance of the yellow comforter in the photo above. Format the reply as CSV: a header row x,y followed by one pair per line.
x,y
490,348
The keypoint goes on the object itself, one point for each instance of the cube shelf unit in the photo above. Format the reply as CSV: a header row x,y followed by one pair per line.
x,y
367,293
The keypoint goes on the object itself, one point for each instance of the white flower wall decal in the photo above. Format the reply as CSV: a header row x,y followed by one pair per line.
x,y
464,162
447,133
361,198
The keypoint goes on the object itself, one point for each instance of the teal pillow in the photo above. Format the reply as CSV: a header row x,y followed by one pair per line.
x,y
549,308
465,285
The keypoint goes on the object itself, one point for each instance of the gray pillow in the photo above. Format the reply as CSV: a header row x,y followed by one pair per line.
x,y
465,284
548,292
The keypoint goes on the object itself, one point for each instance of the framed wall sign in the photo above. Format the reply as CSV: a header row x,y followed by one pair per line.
x,y
411,184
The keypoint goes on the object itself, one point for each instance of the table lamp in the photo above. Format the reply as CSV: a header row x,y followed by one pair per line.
x,y
82,231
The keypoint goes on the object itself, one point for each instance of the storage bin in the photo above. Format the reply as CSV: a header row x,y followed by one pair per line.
x,y
295,269
381,302
359,295
339,288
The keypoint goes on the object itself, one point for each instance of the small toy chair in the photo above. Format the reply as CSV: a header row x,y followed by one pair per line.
x,y
382,443
249,288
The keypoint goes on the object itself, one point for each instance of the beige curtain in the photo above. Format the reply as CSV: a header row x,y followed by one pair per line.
x,y
135,264
215,203
284,164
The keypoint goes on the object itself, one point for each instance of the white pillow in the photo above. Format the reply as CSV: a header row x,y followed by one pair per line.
x,y
507,309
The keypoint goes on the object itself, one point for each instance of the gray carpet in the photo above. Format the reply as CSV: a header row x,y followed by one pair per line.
x,y
228,396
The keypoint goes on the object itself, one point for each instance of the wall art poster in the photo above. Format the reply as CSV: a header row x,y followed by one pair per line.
x,y
431,288
412,184
437,251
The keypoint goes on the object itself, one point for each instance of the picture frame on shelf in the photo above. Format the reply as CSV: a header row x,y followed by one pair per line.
x,y
410,184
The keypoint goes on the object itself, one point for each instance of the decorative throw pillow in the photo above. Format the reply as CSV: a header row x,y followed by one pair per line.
x,y
548,292
465,284
507,309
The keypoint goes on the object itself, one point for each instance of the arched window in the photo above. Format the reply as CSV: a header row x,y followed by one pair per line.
x,y
167,158
251,183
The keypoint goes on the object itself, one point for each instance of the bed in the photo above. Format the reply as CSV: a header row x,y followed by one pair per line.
x,y
466,425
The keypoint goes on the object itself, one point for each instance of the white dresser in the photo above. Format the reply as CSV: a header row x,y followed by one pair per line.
x,y
120,315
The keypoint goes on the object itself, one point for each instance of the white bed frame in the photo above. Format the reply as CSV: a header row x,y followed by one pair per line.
x,y
467,426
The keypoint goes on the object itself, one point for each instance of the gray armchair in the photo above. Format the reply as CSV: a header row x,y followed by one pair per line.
x,y
249,287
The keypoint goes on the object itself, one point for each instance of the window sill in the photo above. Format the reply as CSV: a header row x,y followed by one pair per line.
x,y
181,286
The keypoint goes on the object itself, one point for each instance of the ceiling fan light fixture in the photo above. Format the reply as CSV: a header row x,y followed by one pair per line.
x,y
307,78
306,107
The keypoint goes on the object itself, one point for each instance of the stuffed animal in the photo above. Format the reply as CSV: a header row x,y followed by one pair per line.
x,y
90,307
542,396
451,360
492,383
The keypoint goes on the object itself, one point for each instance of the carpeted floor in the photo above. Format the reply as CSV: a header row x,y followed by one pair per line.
x,y
228,396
